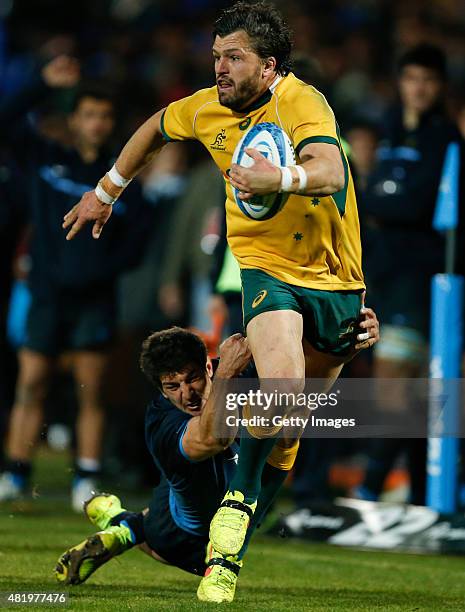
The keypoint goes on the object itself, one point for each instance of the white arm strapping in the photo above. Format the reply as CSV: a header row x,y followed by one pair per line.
x,y
116,178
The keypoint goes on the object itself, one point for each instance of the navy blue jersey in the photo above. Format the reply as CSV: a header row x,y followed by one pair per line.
x,y
196,488
401,249
54,179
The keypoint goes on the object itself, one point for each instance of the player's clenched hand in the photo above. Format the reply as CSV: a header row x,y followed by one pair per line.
x,y
234,354
260,179
369,327
88,209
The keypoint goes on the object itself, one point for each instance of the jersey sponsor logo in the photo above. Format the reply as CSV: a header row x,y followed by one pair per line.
x,y
218,144
261,295
243,125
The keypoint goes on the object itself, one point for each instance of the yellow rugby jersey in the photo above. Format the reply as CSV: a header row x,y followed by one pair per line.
x,y
312,241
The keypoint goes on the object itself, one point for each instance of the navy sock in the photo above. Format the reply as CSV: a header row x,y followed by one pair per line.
x,y
135,522
80,472
19,468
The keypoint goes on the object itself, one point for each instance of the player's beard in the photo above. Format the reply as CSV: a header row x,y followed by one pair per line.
x,y
242,95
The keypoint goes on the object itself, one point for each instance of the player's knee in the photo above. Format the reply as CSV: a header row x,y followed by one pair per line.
x,y
91,406
263,432
284,388
90,393
31,392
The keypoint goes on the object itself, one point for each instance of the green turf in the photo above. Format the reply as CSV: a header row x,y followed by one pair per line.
x,y
277,575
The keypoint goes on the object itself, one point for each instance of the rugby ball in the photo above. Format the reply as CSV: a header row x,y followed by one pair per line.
x,y
275,145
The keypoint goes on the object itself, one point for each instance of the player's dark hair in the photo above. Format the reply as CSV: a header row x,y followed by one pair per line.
x,y
96,92
359,123
269,33
171,351
427,56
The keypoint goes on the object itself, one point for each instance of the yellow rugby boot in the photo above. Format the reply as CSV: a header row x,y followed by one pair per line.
x,y
78,563
229,525
219,583
101,508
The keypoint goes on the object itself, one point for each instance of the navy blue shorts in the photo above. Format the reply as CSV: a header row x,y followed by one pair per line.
x,y
178,547
57,322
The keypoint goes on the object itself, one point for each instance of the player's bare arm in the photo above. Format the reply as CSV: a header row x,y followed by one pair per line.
x,y
96,205
321,163
199,441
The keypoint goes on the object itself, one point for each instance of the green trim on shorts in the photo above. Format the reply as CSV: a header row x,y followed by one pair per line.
x,y
330,317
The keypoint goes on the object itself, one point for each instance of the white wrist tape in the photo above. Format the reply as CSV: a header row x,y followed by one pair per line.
x,y
302,178
286,179
116,178
103,196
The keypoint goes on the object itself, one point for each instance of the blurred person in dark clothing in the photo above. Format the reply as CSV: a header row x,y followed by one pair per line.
x,y
362,138
164,184
225,275
402,250
189,253
11,221
72,287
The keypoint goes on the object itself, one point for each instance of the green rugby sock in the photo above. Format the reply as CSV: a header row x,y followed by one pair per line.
x,y
272,480
253,454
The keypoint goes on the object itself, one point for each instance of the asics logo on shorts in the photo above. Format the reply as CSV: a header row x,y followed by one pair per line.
x,y
261,295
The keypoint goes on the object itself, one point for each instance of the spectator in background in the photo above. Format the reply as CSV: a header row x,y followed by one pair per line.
x,y
226,299
164,184
362,138
11,221
185,281
72,286
403,251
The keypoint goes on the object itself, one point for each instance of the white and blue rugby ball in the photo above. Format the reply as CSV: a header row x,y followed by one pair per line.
x,y
275,145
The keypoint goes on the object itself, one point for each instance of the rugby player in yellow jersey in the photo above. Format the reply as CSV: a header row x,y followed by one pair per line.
x,y
301,269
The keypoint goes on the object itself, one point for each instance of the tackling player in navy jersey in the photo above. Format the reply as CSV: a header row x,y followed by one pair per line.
x,y
196,469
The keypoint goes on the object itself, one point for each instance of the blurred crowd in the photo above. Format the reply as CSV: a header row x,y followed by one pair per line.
x,y
146,53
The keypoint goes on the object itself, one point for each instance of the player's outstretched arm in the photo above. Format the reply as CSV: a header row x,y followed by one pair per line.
x,y
199,441
96,205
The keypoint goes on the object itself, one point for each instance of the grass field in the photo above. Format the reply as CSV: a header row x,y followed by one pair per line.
x,y
278,574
